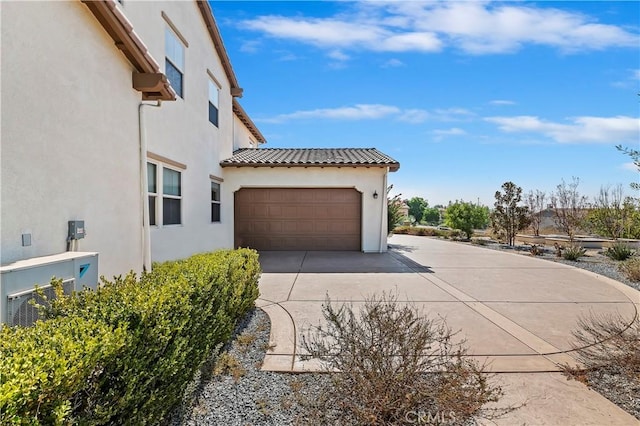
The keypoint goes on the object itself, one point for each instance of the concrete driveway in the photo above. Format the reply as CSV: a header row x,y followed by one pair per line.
x,y
516,312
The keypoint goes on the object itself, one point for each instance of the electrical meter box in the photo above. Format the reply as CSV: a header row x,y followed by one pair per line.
x,y
76,229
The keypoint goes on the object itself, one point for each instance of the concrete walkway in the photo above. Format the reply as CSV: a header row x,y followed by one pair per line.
x,y
516,312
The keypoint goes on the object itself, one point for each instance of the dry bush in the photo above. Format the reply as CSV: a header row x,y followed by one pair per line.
x,y
388,364
631,268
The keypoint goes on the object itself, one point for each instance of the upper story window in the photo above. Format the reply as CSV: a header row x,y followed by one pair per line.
x,y
214,95
174,61
152,189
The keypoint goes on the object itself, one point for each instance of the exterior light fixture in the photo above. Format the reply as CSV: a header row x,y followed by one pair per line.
x,y
375,195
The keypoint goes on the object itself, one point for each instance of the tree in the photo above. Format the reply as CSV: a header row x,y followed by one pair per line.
x,y
394,216
416,207
569,207
608,216
508,217
535,203
466,217
431,215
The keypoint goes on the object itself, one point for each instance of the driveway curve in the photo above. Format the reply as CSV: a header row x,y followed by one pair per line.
x,y
515,312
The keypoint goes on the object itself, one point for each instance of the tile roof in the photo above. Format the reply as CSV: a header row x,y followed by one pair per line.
x,y
310,157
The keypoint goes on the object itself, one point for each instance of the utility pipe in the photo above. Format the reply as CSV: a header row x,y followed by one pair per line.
x,y
144,190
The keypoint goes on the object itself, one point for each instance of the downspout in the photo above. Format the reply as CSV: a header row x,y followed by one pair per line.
x,y
383,216
144,190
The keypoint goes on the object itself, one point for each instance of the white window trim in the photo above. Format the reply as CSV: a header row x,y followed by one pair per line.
x,y
215,179
160,195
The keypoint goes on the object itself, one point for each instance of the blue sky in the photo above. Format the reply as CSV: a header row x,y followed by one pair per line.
x,y
465,95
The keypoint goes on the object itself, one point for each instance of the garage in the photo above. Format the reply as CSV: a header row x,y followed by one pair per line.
x,y
298,218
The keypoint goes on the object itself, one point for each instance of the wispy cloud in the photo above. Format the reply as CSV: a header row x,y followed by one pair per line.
x,y
440,134
250,46
393,63
501,102
374,112
338,55
579,130
356,112
629,166
472,27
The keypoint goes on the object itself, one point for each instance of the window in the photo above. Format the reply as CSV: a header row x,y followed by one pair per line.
x,y
213,103
171,196
152,179
174,61
215,202
164,188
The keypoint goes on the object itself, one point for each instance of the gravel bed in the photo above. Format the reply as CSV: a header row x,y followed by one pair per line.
x,y
618,387
594,261
257,397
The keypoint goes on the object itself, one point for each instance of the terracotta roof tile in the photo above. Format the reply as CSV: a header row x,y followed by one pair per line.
x,y
310,157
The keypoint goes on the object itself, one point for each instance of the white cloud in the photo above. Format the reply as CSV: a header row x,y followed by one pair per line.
x,y
477,27
338,55
356,112
374,112
414,116
250,46
580,130
629,166
502,102
454,131
393,63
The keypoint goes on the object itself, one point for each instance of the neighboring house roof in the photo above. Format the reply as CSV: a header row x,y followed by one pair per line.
x,y
244,117
310,157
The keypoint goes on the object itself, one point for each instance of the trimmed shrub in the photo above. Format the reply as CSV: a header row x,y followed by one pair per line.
x,y
44,366
401,230
574,252
619,251
171,320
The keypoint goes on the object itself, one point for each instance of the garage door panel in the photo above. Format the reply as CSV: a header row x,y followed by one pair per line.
x,y
298,218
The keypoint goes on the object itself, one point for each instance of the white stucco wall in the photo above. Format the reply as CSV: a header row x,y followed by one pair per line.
x,y
365,180
181,130
69,136
242,137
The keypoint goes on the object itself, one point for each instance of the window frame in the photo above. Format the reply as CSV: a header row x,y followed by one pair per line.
x,y
217,202
214,88
170,60
159,195
153,218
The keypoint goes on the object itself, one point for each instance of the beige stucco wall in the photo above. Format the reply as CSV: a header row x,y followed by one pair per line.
x,y
365,180
69,136
181,130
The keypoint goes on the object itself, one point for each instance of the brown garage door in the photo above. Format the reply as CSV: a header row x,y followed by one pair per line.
x,y
298,218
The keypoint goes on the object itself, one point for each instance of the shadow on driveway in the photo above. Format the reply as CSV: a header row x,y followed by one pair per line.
x,y
332,262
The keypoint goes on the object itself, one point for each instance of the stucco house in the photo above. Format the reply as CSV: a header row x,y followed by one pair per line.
x,y
126,115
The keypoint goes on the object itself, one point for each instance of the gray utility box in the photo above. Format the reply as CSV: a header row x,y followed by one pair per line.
x,y
17,282
76,229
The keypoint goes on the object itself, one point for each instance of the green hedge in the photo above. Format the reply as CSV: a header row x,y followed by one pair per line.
x,y
157,332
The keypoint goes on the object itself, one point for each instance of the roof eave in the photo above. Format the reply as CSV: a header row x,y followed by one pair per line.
x,y
392,167
125,38
246,120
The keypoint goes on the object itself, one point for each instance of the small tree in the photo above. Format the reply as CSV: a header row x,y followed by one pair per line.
x,y
508,217
569,207
394,216
609,215
466,216
535,203
416,207
431,215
